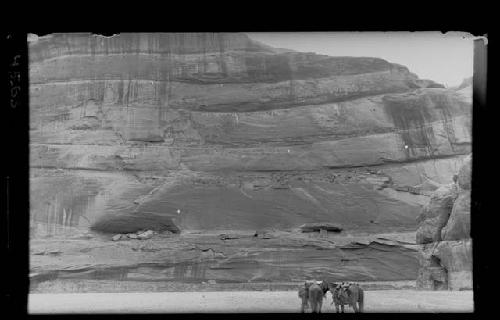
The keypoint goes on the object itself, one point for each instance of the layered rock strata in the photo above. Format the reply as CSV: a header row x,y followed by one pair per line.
x,y
219,132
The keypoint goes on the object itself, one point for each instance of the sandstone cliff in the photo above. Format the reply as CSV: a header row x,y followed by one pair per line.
x,y
217,132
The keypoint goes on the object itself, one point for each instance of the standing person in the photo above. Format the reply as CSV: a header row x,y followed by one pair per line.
x,y
304,295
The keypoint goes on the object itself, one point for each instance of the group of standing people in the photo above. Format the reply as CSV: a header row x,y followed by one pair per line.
x,y
312,294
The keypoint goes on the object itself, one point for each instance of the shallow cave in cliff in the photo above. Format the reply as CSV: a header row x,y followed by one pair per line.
x,y
133,222
321,227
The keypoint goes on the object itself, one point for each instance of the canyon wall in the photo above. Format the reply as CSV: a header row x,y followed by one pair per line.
x,y
217,131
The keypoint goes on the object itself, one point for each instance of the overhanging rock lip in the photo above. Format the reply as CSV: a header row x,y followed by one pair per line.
x,y
318,226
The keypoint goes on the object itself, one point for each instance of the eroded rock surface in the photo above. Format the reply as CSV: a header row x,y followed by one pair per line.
x,y
456,257
435,215
465,174
446,259
458,225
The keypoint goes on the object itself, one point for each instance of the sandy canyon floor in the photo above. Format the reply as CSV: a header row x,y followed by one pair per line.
x,y
241,301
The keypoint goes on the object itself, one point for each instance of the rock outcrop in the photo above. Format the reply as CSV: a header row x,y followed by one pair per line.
x,y
466,83
465,174
458,225
435,215
446,261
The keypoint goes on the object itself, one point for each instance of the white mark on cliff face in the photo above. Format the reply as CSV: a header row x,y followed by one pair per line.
x,y
178,211
406,146
301,192
288,150
245,194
